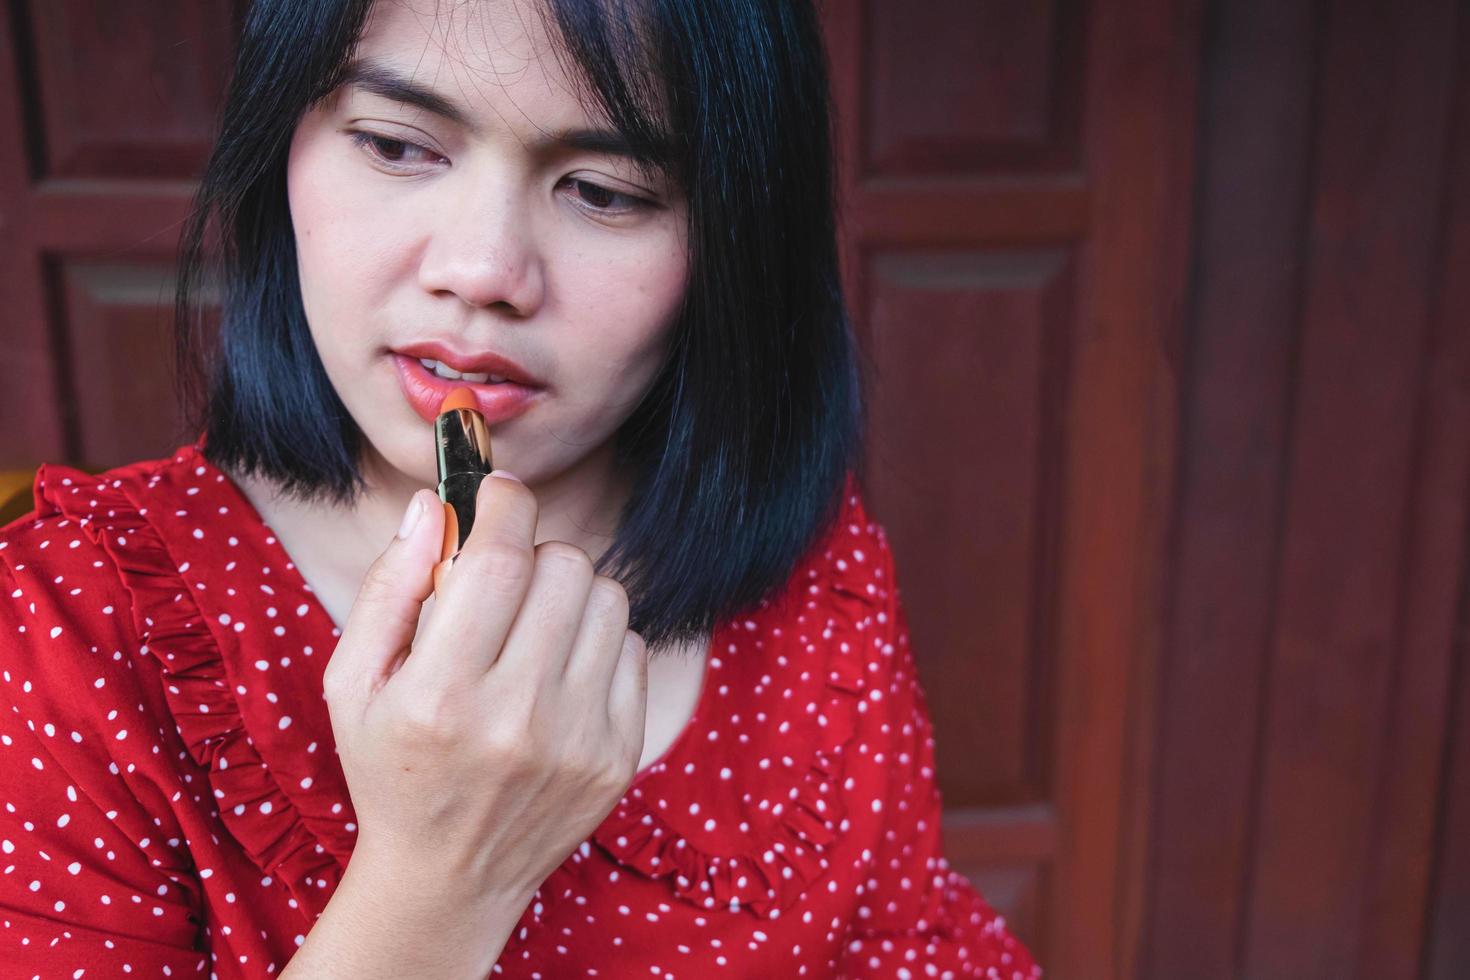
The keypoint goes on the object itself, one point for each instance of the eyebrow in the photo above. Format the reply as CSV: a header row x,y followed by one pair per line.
x,y
378,79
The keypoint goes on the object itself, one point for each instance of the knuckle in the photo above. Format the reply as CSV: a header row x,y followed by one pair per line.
x,y
379,582
577,761
614,774
332,686
609,598
613,780
513,751
563,556
500,562
428,718
590,764
511,497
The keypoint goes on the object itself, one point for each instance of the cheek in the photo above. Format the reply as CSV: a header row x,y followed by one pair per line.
x,y
631,296
342,242
338,270
629,315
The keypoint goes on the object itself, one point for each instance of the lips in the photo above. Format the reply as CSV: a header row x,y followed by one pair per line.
x,y
481,363
426,391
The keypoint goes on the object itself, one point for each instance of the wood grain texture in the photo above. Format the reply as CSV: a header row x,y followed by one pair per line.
x,y
106,126
1163,312
1304,798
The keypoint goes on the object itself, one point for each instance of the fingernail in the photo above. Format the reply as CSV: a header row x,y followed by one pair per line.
x,y
505,475
412,515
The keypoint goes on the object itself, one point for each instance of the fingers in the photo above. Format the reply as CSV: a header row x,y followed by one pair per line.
x,y
535,613
594,654
481,593
381,625
610,663
627,705
505,513
542,636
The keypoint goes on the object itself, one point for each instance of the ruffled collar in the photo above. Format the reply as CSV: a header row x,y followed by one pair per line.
x,y
739,812
242,644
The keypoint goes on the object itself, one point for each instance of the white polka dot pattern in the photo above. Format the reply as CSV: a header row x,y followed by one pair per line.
x,y
171,801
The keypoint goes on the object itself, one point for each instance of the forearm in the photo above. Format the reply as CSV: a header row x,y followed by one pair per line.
x,y
387,923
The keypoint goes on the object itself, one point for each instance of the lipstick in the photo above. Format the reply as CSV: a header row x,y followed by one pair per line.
x,y
462,445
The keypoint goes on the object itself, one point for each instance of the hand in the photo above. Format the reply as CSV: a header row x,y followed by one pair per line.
x,y
479,759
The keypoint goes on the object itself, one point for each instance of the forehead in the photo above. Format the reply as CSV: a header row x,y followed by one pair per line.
x,y
496,59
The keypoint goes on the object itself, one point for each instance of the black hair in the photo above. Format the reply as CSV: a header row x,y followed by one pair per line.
x,y
739,452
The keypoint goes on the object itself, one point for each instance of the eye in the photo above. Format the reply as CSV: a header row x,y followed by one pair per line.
x,y
604,200
393,154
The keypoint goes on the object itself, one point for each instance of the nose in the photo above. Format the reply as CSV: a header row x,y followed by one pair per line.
x,y
483,252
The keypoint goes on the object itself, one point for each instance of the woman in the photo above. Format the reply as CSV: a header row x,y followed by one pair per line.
x,y
613,225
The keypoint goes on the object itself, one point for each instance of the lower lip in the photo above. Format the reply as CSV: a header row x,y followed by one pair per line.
x,y
426,391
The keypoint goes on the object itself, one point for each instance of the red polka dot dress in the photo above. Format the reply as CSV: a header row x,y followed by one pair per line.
x,y
171,803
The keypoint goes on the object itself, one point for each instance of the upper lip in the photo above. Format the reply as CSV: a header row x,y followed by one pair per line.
x,y
481,362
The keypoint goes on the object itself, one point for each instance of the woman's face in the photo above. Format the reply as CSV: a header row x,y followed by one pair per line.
x,y
453,226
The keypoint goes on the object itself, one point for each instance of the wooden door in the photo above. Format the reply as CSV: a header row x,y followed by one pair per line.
x,y
1312,784
1011,181
1015,177
1164,313
107,111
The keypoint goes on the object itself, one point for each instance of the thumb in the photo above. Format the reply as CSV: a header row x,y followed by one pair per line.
x,y
384,617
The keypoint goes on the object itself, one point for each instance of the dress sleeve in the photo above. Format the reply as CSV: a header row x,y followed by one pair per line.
x,y
96,880
917,913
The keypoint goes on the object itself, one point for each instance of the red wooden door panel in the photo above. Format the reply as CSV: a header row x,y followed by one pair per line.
x,y
1003,244
1310,811
107,113
1164,320
1012,179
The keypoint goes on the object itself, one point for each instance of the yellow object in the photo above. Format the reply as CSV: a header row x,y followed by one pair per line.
x,y
15,494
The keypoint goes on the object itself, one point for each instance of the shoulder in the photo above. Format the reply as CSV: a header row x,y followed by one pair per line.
x,y
58,579
73,507
69,498
842,624
84,728
848,578
67,623
853,588
857,543
59,561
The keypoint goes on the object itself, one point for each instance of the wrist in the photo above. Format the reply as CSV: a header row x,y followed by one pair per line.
x,y
386,921
385,876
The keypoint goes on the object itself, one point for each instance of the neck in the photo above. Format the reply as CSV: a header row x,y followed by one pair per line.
x,y
332,545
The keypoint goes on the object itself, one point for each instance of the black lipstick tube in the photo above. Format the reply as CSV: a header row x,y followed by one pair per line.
x,y
462,442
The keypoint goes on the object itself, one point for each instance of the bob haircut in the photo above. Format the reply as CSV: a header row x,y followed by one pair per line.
x,y
739,452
